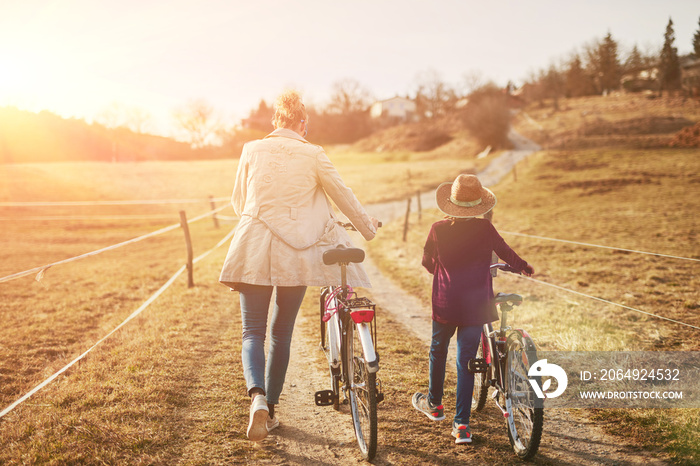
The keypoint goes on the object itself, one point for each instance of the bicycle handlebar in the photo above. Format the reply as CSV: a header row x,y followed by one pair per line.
x,y
351,227
505,268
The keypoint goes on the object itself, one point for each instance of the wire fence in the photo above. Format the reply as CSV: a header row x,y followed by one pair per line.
x,y
42,269
134,314
106,203
406,224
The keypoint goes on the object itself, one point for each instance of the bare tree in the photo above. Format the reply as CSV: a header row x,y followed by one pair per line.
x,y
349,97
137,119
472,80
198,121
433,96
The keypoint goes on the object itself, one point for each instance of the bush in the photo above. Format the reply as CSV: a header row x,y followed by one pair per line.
x,y
487,116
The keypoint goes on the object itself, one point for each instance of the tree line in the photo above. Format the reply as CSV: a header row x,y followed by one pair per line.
x,y
600,68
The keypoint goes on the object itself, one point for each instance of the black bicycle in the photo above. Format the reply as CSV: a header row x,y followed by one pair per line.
x,y
503,362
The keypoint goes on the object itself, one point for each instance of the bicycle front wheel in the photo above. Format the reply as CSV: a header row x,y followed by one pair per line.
x,y
481,387
362,394
525,417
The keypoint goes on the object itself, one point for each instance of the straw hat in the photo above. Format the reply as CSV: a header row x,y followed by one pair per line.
x,y
464,198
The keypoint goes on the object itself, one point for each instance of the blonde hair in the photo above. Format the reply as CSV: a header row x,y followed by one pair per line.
x,y
289,110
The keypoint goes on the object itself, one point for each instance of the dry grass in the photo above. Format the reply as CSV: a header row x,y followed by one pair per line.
x,y
575,121
167,387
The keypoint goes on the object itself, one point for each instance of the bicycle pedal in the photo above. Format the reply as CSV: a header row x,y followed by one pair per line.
x,y
324,397
477,366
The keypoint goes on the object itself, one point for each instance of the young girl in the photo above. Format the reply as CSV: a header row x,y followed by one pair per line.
x,y
458,253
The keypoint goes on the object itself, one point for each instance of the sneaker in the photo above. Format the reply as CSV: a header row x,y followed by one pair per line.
x,y
422,404
272,423
257,427
462,433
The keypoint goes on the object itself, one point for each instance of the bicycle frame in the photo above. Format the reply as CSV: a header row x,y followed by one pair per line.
x,y
348,333
507,355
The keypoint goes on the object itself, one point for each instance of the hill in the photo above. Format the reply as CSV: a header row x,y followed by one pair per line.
x,y
46,137
633,121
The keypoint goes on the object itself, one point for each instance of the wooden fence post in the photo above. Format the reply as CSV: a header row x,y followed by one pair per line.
x,y
405,223
420,208
213,207
188,243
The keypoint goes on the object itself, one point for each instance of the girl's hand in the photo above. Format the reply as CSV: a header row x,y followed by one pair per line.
x,y
528,271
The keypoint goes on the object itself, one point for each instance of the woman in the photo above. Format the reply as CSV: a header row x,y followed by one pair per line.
x,y
286,222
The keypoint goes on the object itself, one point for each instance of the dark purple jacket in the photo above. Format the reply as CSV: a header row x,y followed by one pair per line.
x,y
459,255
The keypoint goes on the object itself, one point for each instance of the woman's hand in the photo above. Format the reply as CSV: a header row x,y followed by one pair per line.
x,y
528,271
375,223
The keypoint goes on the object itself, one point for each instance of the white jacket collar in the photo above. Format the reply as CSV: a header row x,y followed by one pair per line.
x,y
286,133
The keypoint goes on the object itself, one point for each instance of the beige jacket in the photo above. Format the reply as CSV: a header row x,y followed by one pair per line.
x,y
286,220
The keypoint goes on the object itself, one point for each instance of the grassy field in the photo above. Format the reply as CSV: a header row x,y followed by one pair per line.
x,y
612,196
167,388
128,401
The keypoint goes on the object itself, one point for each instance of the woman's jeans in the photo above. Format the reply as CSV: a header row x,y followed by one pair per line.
x,y
467,345
255,302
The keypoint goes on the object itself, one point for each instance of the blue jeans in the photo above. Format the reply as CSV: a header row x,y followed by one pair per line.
x,y
467,345
255,302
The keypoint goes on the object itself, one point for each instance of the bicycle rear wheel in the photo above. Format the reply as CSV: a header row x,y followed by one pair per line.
x,y
481,388
362,394
525,416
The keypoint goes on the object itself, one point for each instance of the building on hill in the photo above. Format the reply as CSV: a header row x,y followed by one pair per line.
x,y
397,109
646,79
690,77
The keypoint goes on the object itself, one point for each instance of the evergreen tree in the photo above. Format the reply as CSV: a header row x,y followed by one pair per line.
x,y
609,64
576,78
604,65
669,66
696,42
634,63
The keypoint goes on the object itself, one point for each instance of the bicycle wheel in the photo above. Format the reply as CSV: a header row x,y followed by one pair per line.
x,y
362,394
481,388
325,345
525,418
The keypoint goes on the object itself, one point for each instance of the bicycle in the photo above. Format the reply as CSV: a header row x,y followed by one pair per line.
x,y
348,337
503,361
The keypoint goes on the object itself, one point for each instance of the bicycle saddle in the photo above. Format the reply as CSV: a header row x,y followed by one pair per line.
x,y
343,254
514,299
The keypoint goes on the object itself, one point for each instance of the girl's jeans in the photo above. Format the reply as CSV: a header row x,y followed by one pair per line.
x,y
467,345
255,302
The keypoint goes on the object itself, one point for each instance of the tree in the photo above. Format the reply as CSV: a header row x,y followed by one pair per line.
x,y
669,66
487,116
346,118
554,84
696,42
577,81
634,63
199,123
433,96
349,97
604,65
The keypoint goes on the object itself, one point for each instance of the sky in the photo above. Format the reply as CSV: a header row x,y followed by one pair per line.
x,y
94,58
